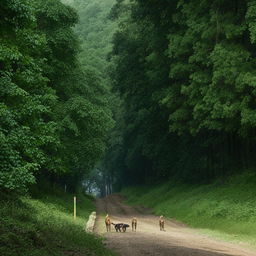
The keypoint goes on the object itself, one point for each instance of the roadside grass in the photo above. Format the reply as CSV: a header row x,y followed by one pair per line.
x,y
225,210
45,226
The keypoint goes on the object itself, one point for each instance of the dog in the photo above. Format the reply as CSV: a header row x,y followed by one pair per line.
x,y
134,224
124,227
108,223
161,223
119,227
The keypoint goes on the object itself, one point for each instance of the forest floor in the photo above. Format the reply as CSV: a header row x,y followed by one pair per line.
x,y
177,240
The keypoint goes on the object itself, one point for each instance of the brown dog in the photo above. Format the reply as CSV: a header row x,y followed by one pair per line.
x,y
161,223
134,224
108,223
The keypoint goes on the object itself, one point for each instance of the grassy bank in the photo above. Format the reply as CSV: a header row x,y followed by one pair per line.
x,y
223,209
45,226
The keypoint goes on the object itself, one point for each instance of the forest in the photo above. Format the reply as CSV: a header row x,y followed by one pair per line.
x,y
132,98
186,78
55,110
98,96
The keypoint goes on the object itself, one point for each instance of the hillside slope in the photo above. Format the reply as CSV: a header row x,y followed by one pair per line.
x,y
223,209
45,226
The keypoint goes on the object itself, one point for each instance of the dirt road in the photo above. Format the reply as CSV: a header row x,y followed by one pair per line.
x,y
177,240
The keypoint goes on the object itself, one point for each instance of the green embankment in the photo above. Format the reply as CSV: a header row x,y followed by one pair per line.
x,y
45,226
224,209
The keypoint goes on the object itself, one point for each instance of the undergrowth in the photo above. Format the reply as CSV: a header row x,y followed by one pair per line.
x,y
45,226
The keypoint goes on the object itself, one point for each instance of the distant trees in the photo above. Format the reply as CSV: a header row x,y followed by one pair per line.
x,y
186,72
95,32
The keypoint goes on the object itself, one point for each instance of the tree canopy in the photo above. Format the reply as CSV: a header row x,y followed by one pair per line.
x,y
186,76
54,115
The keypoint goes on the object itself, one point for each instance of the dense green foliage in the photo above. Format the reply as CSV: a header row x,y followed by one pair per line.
x,y
187,79
25,97
223,209
95,32
54,116
45,226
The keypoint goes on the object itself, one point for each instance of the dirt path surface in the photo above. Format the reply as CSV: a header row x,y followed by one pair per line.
x,y
177,240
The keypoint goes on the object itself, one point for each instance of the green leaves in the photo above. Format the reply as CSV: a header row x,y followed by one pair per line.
x,y
54,113
193,69
250,19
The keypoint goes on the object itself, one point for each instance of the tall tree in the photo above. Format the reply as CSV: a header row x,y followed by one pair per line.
x,y
26,99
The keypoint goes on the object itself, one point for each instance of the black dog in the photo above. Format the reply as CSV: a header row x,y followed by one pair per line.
x,y
124,227
120,227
